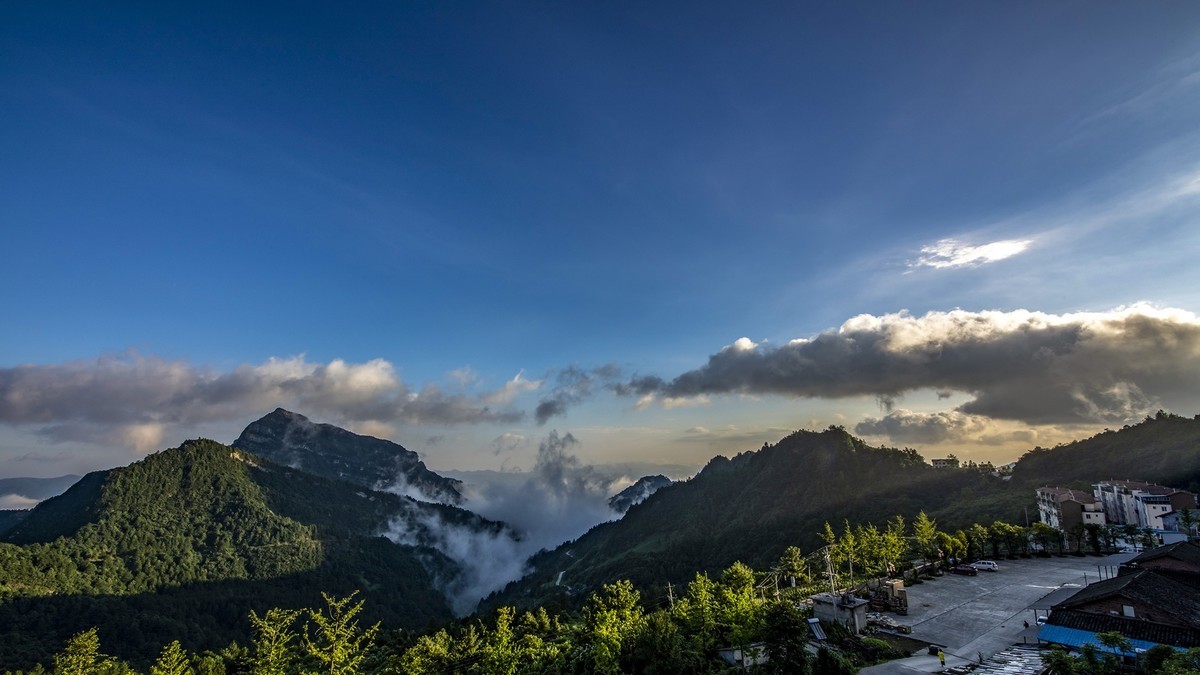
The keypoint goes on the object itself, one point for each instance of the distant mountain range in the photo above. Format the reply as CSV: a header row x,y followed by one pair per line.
x,y
753,506
184,543
36,488
325,450
18,495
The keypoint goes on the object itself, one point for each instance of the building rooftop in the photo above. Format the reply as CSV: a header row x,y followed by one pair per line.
x,y
1151,488
1185,551
1069,494
1169,598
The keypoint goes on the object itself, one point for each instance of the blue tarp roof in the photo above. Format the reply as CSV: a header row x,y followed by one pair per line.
x,y
1075,638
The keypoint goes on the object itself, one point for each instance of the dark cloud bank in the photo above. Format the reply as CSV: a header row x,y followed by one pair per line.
x,y
1023,366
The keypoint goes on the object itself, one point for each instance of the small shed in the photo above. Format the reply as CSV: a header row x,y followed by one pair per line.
x,y
846,609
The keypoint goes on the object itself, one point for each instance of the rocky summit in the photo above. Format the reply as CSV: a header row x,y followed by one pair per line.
x,y
290,438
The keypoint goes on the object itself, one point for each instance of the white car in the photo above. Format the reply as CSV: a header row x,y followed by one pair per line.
x,y
985,565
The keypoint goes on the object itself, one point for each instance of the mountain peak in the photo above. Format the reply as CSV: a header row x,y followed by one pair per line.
x,y
290,438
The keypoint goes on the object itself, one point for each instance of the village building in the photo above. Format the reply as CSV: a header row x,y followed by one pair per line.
x,y
1066,508
1138,503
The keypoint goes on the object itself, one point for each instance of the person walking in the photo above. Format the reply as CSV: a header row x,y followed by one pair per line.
x,y
942,658
1026,624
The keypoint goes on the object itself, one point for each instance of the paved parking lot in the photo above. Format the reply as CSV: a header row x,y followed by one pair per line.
x,y
984,614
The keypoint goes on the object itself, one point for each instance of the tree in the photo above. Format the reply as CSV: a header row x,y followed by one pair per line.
x,y
925,535
1043,534
334,639
273,637
1093,531
697,612
849,544
1155,657
785,633
1059,661
738,608
611,619
500,650
658,648
996,534
894,544
792,566
173,661
871,550
82,655
979,536
1182,663
1117,646
1188,520
1076,535
833,552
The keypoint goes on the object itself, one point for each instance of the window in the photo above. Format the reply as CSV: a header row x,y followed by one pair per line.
x,y
1127,610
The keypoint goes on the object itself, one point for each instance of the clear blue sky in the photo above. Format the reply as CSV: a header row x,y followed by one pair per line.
x,y
379,214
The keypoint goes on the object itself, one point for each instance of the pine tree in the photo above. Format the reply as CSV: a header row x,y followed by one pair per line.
x,y
334,638
82,655
273,637
173,661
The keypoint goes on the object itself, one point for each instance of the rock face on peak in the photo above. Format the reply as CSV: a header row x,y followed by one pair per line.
x,y
638,492
332,452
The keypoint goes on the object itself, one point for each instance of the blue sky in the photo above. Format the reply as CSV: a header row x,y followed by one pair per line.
x,y
381,215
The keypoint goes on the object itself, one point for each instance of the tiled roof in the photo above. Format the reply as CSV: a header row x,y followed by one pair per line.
x,y
1081,496
1134,629
1167,596
1185,551
1152,488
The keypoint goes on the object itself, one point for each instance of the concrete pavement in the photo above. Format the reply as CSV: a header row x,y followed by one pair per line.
x,y
973,618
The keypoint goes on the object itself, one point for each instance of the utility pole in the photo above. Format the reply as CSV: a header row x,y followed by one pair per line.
x,y
829,567
671,595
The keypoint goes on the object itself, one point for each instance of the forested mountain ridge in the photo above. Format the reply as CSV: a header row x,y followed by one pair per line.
x,y
753,506
187,541
1164,449
748,508
289,438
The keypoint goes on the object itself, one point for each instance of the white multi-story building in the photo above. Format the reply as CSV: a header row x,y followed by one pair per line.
x,y
1134,502
1064,508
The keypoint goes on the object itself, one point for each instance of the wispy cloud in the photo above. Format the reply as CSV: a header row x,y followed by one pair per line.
x,y
949,253
731,435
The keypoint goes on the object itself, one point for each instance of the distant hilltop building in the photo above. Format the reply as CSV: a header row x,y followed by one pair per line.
x,y
1065,508
950,462
1134,502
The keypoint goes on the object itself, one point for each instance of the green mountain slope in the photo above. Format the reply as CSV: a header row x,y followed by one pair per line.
x,y
1163,449
185,542
10,517
752,507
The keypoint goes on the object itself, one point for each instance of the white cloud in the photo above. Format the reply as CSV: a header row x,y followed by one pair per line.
x,y
948,253
1039,368
8,502
136,401
512,389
